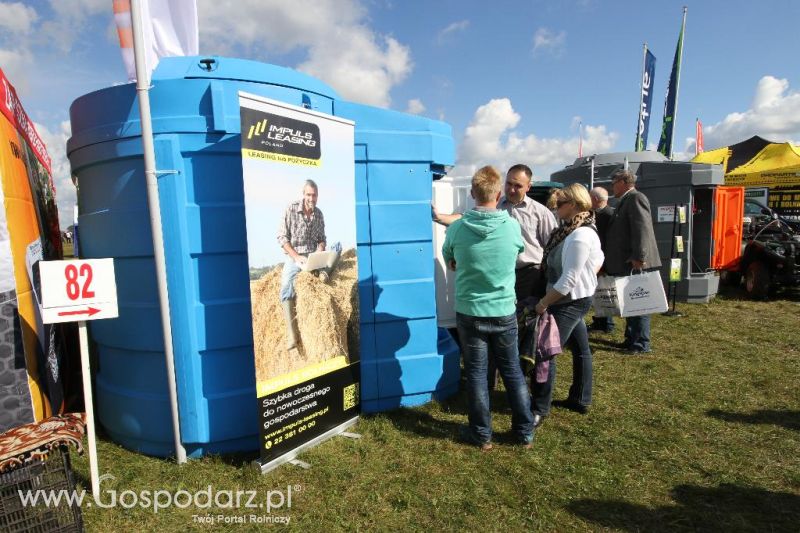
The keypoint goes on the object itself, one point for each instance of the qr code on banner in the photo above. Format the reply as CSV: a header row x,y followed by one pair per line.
x,y
350,396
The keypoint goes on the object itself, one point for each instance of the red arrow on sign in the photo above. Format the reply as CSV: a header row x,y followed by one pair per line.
x,y
91,311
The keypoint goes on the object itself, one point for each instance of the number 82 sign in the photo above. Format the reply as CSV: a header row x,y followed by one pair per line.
x,y
78,290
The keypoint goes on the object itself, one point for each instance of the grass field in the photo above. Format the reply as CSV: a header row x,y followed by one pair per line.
x,y
702,434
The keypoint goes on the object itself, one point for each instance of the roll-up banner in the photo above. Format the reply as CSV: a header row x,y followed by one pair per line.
x,y
30,351
299,195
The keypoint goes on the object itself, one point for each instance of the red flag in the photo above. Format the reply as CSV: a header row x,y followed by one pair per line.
x,y
698,145
580,139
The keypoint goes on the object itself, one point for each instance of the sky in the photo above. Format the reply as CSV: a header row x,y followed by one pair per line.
x,y
513,78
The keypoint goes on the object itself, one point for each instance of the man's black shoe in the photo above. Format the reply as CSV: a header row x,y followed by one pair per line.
x,y
572,406
636,351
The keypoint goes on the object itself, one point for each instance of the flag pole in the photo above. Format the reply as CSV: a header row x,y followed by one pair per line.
x,y
677,83
696,136
142,91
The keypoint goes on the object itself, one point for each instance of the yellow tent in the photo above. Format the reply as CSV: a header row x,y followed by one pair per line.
x,y
713,157
777,165
756,163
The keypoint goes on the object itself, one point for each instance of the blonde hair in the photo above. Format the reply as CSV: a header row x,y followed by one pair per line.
x,y
577,194
486,184
552,198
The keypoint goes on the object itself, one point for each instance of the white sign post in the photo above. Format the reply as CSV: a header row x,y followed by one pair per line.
x,y
73,291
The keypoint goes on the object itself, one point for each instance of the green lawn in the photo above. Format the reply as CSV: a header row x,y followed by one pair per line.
x,y
702,434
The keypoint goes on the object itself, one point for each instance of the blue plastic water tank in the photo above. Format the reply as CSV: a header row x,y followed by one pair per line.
x,y
196,126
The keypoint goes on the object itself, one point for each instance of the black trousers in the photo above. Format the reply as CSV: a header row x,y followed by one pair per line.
x,y
528,278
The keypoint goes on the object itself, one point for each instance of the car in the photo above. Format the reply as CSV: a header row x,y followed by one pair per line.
x,y
770,252
541,190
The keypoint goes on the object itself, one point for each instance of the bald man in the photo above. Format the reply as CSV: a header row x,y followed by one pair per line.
x,y
602,211
603,214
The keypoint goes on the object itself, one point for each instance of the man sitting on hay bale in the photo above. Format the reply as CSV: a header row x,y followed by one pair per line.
x,y
301,233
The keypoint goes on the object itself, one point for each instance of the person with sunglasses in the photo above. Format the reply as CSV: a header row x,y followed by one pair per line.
x,y
572,258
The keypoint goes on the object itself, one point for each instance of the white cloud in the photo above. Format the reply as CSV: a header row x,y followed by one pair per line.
x,y
56,143
774,115
341,49
16,65
69,21
547,40
415,106
490,139
16,17
358,68
452,29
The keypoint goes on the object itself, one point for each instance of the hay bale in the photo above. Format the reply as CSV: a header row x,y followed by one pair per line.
x,y
327,319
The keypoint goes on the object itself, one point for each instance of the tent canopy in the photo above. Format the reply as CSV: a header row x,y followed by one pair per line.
x,y
756,162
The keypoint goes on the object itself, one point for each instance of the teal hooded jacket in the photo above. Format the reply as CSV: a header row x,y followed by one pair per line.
x,y
484,245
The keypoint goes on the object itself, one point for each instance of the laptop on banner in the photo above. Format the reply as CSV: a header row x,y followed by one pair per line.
x,y
317,260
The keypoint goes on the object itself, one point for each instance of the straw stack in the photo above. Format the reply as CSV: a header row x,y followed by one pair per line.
x,y
327,318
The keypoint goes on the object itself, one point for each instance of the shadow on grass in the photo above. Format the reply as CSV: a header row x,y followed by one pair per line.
x,y
78,477
424,424
727,292
723,508
239,459
606,344
787,419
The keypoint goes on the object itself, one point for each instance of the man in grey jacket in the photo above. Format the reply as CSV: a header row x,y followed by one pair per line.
x,y
630,244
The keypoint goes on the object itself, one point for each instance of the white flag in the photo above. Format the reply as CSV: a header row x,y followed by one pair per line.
x,y
169,29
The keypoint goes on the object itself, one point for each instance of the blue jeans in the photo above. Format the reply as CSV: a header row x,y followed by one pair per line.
x,y
637,333
572,330
290,270
479,336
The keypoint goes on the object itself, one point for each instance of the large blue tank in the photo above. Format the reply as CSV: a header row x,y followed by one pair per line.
x,y
404,359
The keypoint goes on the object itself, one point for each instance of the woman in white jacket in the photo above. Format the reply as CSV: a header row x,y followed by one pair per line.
x,y
572,258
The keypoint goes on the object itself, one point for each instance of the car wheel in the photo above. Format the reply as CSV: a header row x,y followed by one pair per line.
x,y
756,280
730,277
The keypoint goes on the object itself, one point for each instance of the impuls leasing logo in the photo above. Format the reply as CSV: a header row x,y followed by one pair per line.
x,y
257,129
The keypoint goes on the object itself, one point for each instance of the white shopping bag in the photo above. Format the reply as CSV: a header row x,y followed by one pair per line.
x,y
641,294
605,301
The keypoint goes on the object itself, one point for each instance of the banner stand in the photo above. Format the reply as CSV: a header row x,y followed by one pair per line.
x,y
675,255
341,429
298,168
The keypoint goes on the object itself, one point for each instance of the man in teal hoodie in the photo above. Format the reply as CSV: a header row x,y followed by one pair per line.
x,y
482,248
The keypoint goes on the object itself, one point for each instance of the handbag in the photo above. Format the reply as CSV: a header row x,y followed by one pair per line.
x,y
605,301
641,294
